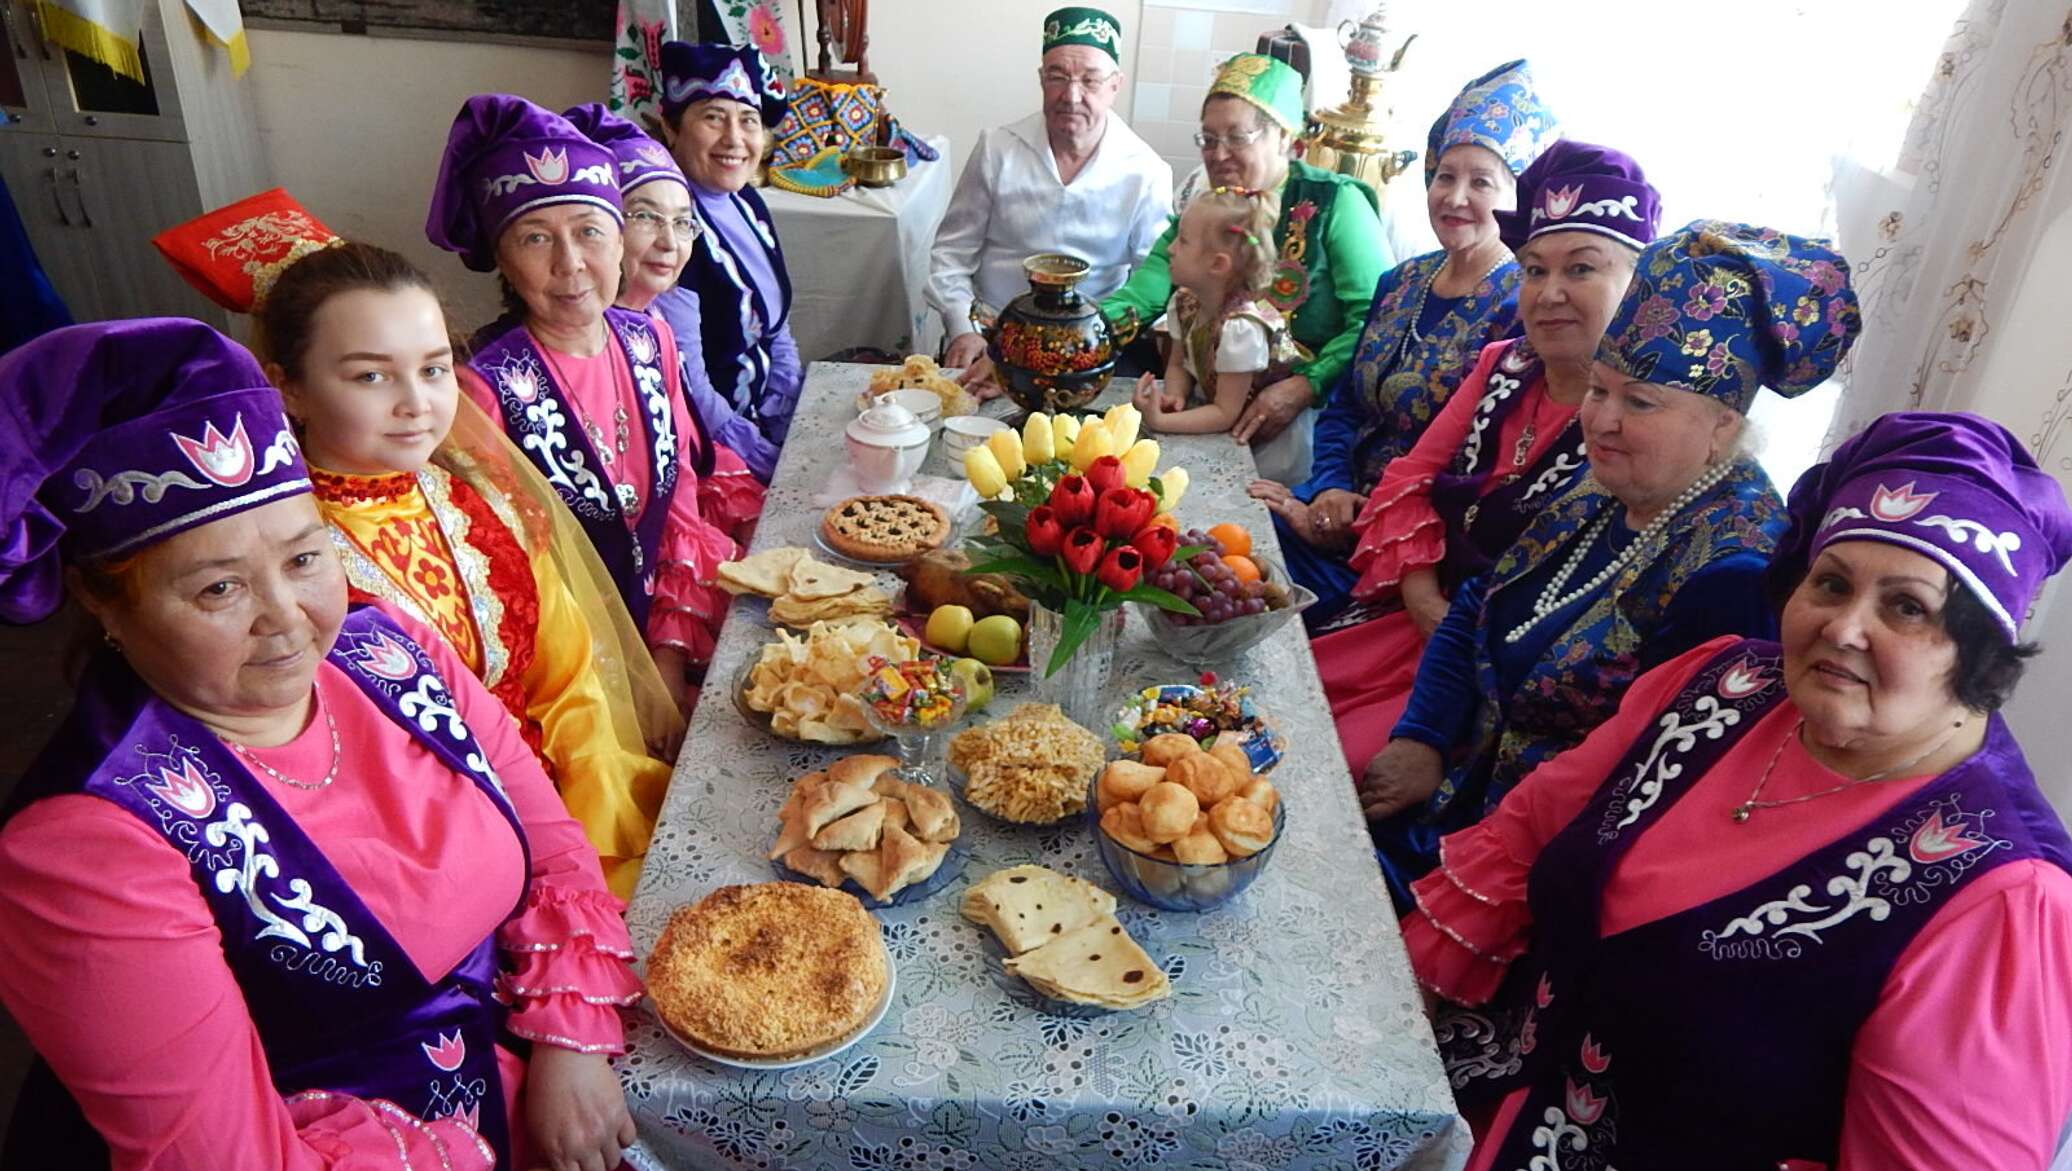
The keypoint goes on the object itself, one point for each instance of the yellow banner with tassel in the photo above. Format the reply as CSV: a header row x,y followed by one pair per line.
x,y
104,30
226,27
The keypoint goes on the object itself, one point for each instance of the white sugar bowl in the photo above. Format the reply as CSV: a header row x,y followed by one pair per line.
x,y
887,445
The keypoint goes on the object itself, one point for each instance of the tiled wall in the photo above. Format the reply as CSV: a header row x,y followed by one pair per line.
x,y
1178,50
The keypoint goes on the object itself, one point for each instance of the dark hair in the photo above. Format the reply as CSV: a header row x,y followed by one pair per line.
x,y
1989,663
286,319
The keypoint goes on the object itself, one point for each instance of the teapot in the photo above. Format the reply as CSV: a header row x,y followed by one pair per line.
x,y
1053,349
887,444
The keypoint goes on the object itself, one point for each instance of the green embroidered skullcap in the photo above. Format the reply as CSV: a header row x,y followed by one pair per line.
x,y
1083,26
1271,85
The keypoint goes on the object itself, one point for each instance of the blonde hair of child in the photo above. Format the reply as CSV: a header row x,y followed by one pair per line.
x,y
1242,228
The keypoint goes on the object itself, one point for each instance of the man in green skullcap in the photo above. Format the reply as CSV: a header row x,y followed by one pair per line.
x,y
1333,247
1068,178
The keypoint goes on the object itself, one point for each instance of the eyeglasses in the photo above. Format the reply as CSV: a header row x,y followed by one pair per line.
x,y
1059,79
1235,140
684,227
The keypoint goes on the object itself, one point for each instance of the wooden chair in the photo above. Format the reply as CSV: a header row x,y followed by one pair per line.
x,y
841,27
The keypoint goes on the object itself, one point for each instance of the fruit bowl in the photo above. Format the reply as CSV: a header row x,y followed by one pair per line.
x,y
1179,886
1207,644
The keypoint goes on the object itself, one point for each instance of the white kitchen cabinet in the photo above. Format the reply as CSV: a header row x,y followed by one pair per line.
x,y
98,163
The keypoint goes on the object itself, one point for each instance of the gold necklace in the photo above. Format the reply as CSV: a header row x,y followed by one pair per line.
x,y
1746,809
330,775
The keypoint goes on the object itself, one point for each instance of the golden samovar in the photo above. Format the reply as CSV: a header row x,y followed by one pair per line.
x,y
1350,139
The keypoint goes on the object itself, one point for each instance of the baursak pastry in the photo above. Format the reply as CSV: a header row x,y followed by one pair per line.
x,y
1166,747
1261,792
1125,824
1233,755
1200,848
1242,827
1128,779
1168,811
1209,779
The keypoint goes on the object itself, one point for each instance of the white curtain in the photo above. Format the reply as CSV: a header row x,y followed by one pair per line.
x,y
1960,251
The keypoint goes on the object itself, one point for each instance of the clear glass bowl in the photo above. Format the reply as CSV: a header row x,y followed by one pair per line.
x,y
1214,645
1180,886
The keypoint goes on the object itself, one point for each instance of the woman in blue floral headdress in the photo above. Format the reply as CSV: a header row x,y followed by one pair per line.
x,y
1430,316
1663,547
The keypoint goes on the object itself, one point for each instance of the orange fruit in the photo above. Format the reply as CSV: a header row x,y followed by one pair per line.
x,y
1235,540
1243,566
1167,520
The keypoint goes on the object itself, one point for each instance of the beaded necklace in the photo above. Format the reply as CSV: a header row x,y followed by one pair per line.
x,y
1552,599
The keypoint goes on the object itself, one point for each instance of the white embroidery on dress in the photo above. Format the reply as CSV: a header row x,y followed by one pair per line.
x,y
1877,858
1675,739
1501,387
243,880
1565,463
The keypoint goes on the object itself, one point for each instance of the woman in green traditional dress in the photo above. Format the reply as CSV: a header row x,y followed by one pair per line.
x,y
1330,239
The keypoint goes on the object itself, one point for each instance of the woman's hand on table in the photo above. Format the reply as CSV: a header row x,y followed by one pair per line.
x,y
1272,409
1423,599
1331,515
1404,774
576,1110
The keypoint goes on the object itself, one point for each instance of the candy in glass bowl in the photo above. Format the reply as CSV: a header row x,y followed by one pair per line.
x,y
1209,712
914,701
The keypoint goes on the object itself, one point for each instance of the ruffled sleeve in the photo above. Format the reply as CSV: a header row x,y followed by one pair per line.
x,y
1398,529
688,607
1472,919
567,958
729,496
115,971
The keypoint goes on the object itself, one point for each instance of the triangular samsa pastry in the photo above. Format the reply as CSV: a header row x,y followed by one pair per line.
x,y
903,861
932,817
791,833
858,831
1096,964
818,864
866,769
833,801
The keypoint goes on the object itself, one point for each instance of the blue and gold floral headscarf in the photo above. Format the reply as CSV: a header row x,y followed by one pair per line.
x,y
1722,309
1499,110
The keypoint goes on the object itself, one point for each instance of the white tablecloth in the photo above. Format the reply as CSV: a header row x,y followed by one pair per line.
x,y
859,261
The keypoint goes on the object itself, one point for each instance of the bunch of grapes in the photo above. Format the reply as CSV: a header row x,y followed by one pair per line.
x,y
1209,585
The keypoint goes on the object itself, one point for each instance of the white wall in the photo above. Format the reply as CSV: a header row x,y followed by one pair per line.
x,y
354,126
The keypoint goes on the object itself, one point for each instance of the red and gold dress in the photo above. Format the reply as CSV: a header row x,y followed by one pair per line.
x,y
457,555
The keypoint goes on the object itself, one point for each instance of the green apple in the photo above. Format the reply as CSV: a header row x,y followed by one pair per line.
x,y
977,680
948,628
996,640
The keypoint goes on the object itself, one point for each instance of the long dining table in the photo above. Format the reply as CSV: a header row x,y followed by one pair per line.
x,y
1294,1037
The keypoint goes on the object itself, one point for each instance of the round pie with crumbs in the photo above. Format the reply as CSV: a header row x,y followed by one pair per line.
x,y
885,528
769,971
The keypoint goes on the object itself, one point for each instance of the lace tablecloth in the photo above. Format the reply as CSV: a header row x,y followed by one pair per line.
x,y
1294,1037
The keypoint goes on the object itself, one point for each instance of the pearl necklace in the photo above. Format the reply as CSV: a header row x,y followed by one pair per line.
x,y
307,786
1552,600
1746,809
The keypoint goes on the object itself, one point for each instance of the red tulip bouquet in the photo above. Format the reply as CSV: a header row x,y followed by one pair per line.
x,y
1082,547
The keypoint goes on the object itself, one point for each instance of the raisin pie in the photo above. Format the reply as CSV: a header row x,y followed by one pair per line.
x,y
885,529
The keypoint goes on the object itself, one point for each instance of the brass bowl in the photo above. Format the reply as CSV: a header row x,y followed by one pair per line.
x,y
875,166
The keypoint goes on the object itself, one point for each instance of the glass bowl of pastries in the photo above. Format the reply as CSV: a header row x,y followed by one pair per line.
x,y
1185,828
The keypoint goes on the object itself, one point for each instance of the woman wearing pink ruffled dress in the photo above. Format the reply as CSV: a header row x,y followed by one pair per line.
x,y
289,890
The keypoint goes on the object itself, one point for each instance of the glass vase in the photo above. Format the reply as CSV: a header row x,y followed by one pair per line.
x,y
1080,688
